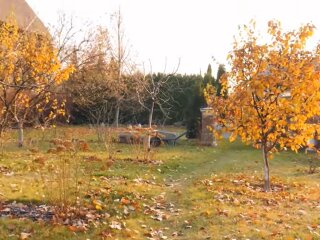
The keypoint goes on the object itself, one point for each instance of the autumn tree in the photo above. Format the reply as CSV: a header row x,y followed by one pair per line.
x,y
30,73
273,90
91,85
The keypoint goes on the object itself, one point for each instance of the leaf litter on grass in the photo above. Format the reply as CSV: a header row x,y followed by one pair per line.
x,y
288,207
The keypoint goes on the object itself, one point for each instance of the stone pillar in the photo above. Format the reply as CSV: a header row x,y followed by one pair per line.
x,y
207,122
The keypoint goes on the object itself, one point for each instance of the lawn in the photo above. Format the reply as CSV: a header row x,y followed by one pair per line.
x,y
184,192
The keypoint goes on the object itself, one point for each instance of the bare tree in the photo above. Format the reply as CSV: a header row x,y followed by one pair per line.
x,y
70,40
151,93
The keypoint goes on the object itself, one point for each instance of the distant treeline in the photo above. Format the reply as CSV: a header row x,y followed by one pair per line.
x,y
93,99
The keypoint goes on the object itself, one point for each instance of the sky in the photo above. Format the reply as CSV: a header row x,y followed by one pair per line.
x,y
197,32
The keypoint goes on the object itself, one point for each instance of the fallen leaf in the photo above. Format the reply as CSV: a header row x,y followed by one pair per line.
x,y
115,225
125,201
302,212
77,229
236,202
98,204
24,235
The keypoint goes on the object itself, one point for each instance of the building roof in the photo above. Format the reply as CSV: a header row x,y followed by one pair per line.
x,y
26,18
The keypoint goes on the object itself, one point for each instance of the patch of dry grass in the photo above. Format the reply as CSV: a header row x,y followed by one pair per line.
x,y
188,192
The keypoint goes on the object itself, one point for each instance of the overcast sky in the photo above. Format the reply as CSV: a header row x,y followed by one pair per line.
x,y
192,30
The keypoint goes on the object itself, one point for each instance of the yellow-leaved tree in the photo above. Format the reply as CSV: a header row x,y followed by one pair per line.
x,y
30,75
273,90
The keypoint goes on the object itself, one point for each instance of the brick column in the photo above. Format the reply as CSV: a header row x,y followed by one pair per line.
x,y
207,120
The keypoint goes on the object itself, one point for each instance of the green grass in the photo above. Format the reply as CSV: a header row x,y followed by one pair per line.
x,y
197,182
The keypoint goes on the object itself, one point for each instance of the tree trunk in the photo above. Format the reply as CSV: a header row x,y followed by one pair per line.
x,y
1,141
116,120
151,115
266,169
120,59
148,140
20,134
